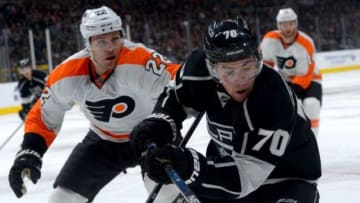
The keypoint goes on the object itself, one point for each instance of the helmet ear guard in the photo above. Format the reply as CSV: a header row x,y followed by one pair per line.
x,y
230,40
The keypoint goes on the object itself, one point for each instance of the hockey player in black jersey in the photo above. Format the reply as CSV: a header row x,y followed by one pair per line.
x,y
30,86
262,148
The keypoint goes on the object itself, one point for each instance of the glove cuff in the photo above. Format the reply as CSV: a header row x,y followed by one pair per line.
x,y
24,152
168,121
35,143
198,171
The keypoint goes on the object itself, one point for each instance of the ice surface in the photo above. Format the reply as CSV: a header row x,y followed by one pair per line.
x,y
339,142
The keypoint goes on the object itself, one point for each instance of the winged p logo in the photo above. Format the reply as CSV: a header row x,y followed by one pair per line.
x,y
286,63
105,109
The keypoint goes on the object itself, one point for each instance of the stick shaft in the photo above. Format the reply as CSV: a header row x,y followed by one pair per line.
x,y
12,134
183,143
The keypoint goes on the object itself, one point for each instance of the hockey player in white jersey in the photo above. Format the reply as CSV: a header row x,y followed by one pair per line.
x,y
116,83
291,52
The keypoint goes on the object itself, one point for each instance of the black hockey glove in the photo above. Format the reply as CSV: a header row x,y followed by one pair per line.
x,y
27,163
25,109
23,113
158,130
186,162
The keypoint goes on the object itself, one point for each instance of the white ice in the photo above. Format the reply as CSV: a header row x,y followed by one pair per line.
x,y
339,142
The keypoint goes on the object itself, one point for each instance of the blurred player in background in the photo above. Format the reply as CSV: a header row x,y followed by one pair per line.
x,y
29,86
291,52
116,83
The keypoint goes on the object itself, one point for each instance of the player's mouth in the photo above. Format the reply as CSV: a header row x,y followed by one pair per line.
x,y
241,91
110,58
289,32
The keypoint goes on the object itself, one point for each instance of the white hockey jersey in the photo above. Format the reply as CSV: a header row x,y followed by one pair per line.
x,y
114,104
294,61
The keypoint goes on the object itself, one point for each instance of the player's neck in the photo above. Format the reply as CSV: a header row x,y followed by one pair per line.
x,y
99,69
287,41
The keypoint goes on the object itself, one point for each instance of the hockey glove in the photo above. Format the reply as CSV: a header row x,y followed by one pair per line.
x,y
27,163
186,162
26,107
157,130
23,113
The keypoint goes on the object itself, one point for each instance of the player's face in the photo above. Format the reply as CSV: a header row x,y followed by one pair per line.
x,y
105,49
26,72
238,77
288,29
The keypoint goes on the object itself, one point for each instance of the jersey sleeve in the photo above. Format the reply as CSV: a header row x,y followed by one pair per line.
x,y
30,90
308,61
46,117
177,100
158,69
169,104
164,69
39,80
267,48
24,91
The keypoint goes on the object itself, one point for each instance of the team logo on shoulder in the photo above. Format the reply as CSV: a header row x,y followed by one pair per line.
x,y
45,95
105,109
286,63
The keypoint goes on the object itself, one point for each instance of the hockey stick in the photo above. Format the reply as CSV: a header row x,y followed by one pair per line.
x,y
185,191
183,142
12,134
181,185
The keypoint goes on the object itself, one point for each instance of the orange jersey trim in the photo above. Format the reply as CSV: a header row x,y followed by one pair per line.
x,y
68,70
135,56
122,136
34,124
315,123
269,63
79,67
273,34
305,80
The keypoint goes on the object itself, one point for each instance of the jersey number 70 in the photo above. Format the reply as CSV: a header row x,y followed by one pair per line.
x,y
278,140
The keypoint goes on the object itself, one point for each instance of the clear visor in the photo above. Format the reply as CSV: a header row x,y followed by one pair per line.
x,y
240,71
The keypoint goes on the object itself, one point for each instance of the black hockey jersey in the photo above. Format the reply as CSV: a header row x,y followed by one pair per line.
x,y
266,139
30,90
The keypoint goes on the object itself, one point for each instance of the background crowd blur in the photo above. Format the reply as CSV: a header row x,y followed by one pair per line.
x,y
173,27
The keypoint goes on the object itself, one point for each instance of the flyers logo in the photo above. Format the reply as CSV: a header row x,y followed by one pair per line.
x,y
119,107
287,63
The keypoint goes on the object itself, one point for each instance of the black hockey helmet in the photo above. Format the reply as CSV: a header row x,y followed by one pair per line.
x,y
25,62
230,40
